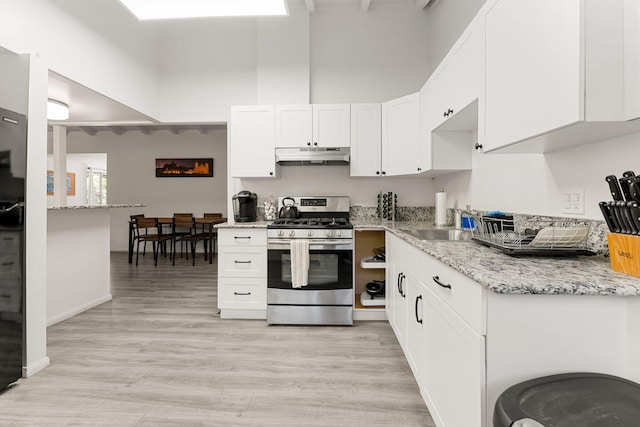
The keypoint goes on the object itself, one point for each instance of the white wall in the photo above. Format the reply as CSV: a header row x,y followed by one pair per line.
x,y
119,61
447,20
335,181
131,174
533,183
78,164
78,266
368,57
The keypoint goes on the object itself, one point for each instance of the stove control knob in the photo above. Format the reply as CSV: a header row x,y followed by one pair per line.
x,y
339,233
328,233
309,233
292,233
280,233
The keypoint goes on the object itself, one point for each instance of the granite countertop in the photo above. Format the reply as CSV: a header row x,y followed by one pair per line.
x,y
255,224
500,273
109,206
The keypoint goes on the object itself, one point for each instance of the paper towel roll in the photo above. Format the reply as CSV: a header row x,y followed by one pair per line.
x,y
441,208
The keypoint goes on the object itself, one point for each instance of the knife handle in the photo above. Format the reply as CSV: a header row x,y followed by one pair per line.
x,y
624,186
627,222
606,213
634,212
634,189
614,187
615,217
629,174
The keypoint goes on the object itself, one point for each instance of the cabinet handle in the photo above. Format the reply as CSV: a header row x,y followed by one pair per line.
x,y
399,283
437,280
384,173
242,293
478,146
445,114
402,292
418,298
241,237
315,143
6,296
242,262
271,173
308,143
377,172
419,169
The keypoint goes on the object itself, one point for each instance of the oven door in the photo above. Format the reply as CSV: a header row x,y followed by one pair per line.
x,y
330,265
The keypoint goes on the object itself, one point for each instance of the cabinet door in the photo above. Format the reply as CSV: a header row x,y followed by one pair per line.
x,y
632,59
467,70
398,305
415,323
440,102
534,69
366,139
453,378
252,141
402,150
331,125
293,126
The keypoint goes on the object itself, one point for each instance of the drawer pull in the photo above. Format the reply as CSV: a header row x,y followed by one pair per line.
x,y
242,293
6,296
437,280
241,237
418,298
242,262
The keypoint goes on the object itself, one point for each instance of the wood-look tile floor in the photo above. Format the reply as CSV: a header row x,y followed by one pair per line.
x,y
159,355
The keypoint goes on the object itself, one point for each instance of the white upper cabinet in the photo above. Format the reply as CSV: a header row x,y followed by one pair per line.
x,y
294,125
402,149
632,58
457,81
252,141
553,69
317,125
366,140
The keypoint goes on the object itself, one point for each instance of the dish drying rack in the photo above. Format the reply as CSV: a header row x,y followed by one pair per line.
x,y
539,238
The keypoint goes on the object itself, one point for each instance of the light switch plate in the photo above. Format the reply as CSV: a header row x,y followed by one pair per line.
x,y
573,201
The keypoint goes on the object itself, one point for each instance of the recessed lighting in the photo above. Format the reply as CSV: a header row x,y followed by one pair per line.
x,y
57,110
170,9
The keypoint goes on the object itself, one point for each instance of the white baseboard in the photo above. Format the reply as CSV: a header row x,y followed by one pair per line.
x,y
77,310
34,368
231,313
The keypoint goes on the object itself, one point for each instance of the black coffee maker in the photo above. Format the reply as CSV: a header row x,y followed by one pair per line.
x,y
245,206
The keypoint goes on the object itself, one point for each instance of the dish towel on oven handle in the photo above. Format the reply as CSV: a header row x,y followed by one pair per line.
x,y
299,263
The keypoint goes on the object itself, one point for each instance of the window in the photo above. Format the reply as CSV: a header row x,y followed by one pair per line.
x,y
96,186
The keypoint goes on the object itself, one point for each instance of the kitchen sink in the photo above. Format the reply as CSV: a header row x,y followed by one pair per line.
x,y
438,234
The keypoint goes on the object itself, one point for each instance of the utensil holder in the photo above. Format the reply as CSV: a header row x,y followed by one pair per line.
x,y
624,253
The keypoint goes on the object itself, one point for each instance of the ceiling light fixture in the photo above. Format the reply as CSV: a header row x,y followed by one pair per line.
x,y
57,110
171,9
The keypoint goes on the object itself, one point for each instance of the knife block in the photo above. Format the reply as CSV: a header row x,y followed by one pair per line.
x,y
624,252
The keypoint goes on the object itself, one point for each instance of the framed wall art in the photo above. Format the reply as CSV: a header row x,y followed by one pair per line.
x,y
70,181
167,168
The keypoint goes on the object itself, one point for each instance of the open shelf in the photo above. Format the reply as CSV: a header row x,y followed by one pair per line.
x,y
367,301
366,269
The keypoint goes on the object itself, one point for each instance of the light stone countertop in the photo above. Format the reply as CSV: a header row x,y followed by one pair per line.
x,y
108,206
500,273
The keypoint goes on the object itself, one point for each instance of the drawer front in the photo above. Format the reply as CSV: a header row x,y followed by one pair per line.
x,y
9,243
10,297
242,262
242,237
463,295
241,293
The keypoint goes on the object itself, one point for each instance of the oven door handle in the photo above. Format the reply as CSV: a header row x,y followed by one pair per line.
x,y
335,244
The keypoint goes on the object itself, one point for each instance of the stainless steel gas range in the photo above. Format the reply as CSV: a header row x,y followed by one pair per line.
x,y
328,297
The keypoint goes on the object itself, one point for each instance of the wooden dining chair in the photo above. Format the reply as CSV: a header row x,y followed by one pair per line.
x,y
192,237
211,235
183,230
148,230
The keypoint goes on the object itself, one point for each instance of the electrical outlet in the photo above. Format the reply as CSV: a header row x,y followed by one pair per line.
x,y
573,201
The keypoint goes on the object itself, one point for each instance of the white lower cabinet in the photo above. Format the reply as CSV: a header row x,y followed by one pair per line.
x,y
242,273
452,377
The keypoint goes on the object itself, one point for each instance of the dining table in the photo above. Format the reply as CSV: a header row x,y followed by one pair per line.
x,y
207,225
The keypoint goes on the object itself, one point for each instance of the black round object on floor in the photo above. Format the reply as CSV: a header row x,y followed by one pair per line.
x,y
571,400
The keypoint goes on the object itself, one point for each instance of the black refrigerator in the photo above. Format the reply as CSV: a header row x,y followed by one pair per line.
x,y
13,157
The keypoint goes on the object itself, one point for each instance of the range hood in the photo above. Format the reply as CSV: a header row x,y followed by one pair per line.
x,y
312,156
